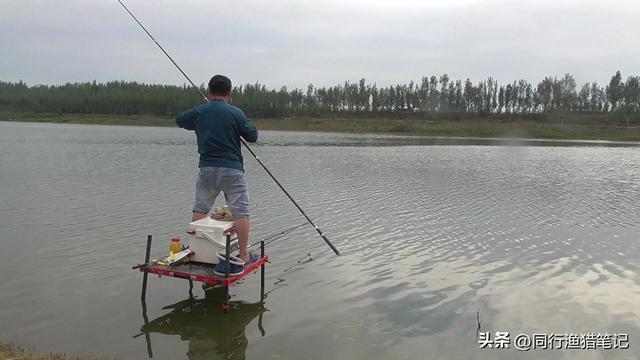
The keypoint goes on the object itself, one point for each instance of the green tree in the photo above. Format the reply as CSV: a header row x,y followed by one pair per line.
x,y
615,90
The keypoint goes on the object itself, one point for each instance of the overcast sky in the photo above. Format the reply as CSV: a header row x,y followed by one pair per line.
x,y
296,42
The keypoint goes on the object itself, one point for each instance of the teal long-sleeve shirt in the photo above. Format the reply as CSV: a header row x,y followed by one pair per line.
x,y
218,128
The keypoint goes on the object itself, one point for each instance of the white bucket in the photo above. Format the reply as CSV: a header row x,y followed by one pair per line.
x,y
211,237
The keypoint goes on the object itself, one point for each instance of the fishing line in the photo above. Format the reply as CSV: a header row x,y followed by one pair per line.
x,y
271,238
324,237
280,282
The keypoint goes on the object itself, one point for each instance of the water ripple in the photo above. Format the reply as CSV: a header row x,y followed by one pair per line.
x,y
537,239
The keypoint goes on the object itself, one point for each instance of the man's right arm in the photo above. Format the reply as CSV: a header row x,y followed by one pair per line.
x,y
187,120
247,130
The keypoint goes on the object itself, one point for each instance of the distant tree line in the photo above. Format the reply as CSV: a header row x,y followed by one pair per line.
x,y
430,95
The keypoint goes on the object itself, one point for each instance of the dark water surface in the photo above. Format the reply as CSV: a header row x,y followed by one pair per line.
x,y
530,239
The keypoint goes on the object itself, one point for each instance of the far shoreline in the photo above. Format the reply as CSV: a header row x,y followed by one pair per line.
x,y
489,129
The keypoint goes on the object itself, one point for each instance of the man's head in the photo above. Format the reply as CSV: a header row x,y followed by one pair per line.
x,y
220,87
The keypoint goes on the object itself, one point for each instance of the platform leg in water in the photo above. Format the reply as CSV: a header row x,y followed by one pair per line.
x,y
147,336
262,272
260,327
147,255
225,304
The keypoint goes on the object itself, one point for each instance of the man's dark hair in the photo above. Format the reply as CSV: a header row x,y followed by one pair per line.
x,y
220,85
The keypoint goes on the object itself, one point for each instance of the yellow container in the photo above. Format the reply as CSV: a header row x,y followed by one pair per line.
x,y
176,246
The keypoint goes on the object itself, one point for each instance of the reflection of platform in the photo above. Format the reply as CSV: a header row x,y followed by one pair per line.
x,y
201,272
210,333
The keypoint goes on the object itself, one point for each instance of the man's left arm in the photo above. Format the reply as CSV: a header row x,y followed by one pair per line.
x,y
187,120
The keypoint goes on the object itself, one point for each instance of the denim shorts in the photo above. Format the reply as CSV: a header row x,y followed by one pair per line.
x,y
212,180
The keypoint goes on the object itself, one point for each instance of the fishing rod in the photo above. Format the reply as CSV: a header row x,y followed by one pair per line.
x,y
324,237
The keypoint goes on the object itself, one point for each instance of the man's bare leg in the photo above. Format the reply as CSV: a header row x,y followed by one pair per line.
x,y
242,230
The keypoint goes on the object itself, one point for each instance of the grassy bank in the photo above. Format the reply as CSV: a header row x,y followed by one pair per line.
x,y
11,352
90,119
432,127
475,128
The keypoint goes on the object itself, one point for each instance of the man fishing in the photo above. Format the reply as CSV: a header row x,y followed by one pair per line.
x,y
219,126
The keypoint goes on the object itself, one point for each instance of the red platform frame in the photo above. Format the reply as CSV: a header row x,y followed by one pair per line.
x,y
201,272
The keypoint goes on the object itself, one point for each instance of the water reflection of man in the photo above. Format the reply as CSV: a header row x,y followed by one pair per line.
x,y
219,127
212,334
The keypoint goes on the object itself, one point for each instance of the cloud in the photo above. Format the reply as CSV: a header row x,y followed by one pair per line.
x,y
294,43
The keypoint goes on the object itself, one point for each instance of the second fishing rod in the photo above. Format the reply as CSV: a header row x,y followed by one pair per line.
x,y
324,237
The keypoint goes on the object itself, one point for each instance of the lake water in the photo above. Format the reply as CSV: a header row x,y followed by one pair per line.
x,y
525,239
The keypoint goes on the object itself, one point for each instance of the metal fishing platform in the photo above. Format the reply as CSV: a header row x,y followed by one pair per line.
x,y
202,272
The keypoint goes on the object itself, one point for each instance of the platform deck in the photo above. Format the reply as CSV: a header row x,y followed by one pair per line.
x,y
202,272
